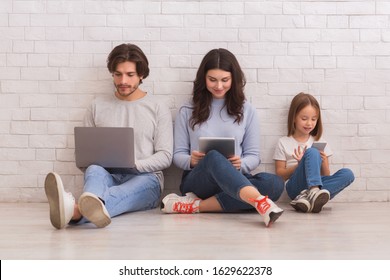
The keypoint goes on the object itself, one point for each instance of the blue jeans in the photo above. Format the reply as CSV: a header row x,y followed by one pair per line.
x,y
122,193
216,176
308,174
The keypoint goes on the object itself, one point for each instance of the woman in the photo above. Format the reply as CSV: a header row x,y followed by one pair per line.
x,y
211,182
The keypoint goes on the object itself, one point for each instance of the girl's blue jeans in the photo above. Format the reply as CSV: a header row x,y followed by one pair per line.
x,y
122,193
216,176
308,174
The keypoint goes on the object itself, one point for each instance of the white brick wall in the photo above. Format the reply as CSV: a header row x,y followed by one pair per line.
x,y
52,63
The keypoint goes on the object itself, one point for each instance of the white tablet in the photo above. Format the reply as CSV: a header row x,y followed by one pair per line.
x,y
224,145
319,145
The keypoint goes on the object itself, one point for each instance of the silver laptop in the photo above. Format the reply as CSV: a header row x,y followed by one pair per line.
x,y
109,147
224,145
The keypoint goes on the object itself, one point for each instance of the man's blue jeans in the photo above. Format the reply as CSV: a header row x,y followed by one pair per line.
x,y
122,193
216,176
308,174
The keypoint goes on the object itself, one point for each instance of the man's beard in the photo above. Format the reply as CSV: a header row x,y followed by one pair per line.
x,y
122,93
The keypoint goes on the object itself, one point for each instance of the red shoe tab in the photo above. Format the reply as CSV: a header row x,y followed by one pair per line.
x,y
262,205
185,208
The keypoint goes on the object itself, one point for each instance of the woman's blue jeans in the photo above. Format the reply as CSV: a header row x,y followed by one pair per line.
x,y
216,176
122,193
308,174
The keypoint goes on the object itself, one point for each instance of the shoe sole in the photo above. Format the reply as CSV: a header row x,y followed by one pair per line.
x,y
273,216
320,201
301,207
55,195
92,208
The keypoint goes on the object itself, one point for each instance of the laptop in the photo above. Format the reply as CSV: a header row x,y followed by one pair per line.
x,y
109,147
224,145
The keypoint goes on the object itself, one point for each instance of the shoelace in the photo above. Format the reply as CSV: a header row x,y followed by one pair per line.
x,y
262,204
185,207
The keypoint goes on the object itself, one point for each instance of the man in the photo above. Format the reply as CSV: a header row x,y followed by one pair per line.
x,y
107,195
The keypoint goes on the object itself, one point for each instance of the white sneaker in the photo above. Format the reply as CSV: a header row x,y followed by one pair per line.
x,y
174,203
267,209
318,198
301,202
61,203
92,208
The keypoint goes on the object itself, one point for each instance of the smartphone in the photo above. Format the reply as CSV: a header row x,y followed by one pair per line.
x,y
319,145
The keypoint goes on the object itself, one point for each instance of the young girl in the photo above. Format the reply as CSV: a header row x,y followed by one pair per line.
x,y
211,182
305,168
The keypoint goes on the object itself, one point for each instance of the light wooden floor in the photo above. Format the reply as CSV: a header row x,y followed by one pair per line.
x,y
341,231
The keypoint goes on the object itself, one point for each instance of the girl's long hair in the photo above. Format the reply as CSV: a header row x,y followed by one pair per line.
x,y
201,98
300,101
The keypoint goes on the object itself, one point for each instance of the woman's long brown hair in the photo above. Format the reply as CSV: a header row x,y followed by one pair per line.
x,y
201,98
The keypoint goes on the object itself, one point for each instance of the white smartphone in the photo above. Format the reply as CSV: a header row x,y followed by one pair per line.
x,y
319,145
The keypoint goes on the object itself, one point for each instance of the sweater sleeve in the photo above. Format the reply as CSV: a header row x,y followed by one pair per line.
x,y
250,158
182,149
163,144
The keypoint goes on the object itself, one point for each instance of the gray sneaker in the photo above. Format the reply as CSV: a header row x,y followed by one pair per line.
x,y
318,198
302,203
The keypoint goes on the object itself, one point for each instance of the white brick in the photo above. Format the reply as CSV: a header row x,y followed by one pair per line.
x,y
38,100
313,75
180,7
287,88
284,21
28,7
104,7
11,33
14,141
364,117
245,21
16,20
315,21
344,75
68,7
65,33
366,89
37,60
91,20
45,154
370,35
271,35
268,75
19,86
290,75
39,73
374,129
47,141
372,49
35,167
340,35
249,35
355,62
301,35
164,21
369,21
293,62
342,48
257,7
268,48
338,22
16,154
35,34
9,73
48,20
142,7
20,127
383,62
